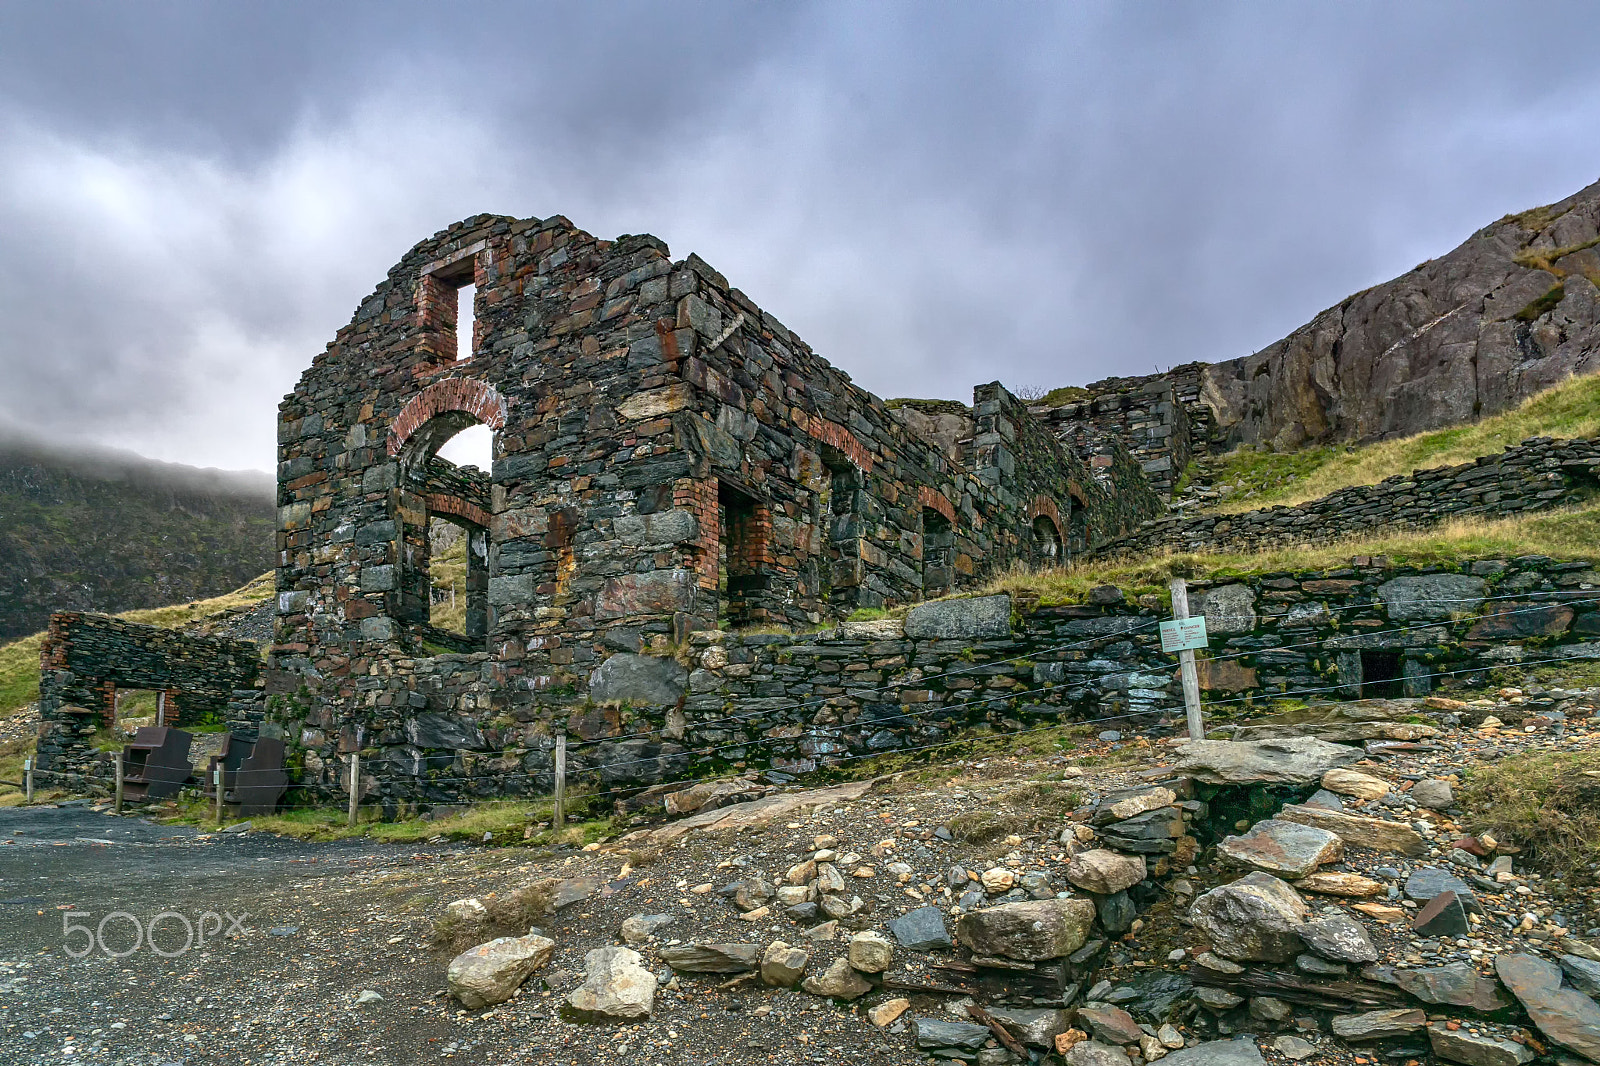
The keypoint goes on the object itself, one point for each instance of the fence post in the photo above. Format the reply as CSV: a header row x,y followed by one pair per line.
x,y
27,778
161,707
216,783
1186,668
560,817
118,807
355,784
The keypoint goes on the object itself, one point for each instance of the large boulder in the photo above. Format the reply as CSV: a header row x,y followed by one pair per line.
x,y
1031,931
1564,1015
1431,597
1105,872
1283,848
490,973
1291,761
616,987
969,618
640,679
782,965
1255,919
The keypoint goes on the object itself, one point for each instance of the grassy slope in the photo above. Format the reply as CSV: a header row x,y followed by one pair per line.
x,y
1252,479
447,569
1570,534
19,660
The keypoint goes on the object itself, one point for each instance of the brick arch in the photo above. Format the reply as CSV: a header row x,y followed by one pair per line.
x,y
1044,505
464,395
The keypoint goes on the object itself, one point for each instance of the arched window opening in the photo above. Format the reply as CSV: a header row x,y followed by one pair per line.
x,y
1047,548
938,553
444,517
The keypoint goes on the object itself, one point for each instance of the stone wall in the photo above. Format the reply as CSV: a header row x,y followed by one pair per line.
x,y
445,730
1536,475
86,658
668,457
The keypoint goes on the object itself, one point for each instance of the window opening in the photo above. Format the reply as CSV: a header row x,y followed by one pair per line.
x,y
135,707
938,548
1380,674
1046,542
466,320
741,554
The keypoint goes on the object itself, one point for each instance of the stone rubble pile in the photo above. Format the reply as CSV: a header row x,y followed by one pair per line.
x,y
1359,915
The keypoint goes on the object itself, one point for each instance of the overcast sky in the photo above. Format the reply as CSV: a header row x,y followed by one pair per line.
x,y
193,197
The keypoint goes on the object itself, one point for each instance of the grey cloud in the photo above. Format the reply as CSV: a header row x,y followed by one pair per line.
x,y
193,197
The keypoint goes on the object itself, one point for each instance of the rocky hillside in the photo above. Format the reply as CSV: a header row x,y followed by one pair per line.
x,y
113,531
1511,311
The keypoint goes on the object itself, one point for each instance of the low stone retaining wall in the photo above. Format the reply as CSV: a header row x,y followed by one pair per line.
x,y
1536,475
445,729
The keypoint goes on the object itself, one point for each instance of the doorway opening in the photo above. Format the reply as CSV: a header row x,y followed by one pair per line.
x,y
1380,674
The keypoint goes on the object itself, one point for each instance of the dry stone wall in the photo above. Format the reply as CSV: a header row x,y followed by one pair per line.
x,y
1537,475
445,730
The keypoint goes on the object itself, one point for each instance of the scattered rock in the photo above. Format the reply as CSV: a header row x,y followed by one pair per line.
x,y
1355,783
1094,1053
1443,916
1217,999
888,1012
641,927
1378,1024
1290,761
1284,848
1566,1016
1328,801
467,910
1254,919
997,880
1375,833
368,996
838,981
1477,1049
1241,1052
871,952
1036,1028
1269,1009
489,973
1292,1047
1340,938
616,987
1345,885
782,966
1104,872
1433,794
1427,882
1127,806
712,958
1584,974
1116,912
1112,1025
1455,984
1031,931
934,1034
921,930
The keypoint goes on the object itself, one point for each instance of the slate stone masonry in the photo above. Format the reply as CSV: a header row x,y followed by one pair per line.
x,y
446,731
86,658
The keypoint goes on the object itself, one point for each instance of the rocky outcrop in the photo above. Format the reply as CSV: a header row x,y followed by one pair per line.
x,y
1511,311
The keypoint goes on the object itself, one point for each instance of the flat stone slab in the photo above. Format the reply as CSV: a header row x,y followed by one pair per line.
x,y
933,1033
1477,1049
1345,885
922,930
1241,1052
1287,849
1428,881
970,618
1564,1015
712,958
1455,984
1291,761
1378,1024
1378,834
755,814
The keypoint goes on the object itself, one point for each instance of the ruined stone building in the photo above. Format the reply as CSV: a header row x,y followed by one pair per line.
x,y
668,457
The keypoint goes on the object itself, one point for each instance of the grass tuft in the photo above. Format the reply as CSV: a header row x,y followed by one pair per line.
x,y
1545,802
